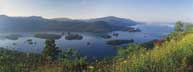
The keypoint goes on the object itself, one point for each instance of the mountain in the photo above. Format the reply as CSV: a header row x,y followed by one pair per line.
x,y
61,19
109,19
17,24
116,21
37,24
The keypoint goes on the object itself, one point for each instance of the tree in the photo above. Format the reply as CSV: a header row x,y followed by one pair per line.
x,y
50,51
189,28
179,26
131,48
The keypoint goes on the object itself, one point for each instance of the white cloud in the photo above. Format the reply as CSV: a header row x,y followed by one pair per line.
x,y
2,10
1,3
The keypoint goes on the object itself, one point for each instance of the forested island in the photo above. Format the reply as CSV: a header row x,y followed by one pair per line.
x,y
48,36
71,36
11,36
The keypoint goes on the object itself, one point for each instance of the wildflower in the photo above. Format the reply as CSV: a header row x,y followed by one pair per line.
x,y
99,70
124,61
91,67
147,53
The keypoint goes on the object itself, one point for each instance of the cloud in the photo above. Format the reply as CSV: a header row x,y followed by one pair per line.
x,y
1,6
1,3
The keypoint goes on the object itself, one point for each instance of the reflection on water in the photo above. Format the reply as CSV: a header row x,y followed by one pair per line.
x,y
90,44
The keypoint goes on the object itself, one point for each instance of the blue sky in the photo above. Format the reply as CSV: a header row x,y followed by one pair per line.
x,y
140,10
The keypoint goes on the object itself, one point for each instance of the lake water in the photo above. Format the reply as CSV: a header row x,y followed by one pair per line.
x,y
97,48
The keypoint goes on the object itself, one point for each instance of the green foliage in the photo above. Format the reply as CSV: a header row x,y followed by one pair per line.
x,y
126,51
71,56
50,51
179,26
178,31
173,35
148,45
71,60
13,61
189,28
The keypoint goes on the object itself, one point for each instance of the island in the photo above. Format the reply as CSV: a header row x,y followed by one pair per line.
x,y
105,36
29,41
71,36
13,36
116,34
119,42
134,30
48,36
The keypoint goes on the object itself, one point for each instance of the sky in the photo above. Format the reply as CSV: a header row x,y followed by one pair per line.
x,y
139,10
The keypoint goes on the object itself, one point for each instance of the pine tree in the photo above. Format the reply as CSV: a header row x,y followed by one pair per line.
x,y
50,51
179,26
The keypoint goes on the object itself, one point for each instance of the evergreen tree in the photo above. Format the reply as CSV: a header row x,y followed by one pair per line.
x,y
50,51
189,28
179,26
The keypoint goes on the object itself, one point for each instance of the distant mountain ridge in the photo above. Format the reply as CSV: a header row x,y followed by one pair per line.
x,y
38,23
110,19
116,21
61,19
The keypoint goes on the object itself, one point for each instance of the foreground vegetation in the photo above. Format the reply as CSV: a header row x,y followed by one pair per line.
x,y
172,54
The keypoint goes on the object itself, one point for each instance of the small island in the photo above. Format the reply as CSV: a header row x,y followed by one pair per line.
x,y
29,41
119,42
71,36
105,36
116,34
134,30
48,36
13,36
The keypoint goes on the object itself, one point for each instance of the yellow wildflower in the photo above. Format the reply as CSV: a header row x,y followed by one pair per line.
x,y
91,67
124,61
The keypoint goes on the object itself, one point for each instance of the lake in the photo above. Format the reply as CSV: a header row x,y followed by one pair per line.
x,y
97,47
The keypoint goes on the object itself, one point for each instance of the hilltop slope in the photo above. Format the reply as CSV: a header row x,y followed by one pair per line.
x,y
173,56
